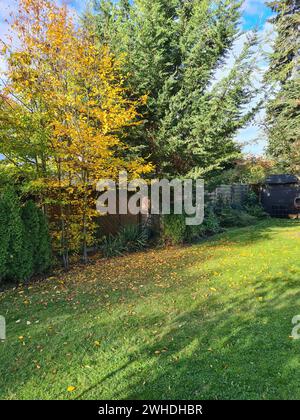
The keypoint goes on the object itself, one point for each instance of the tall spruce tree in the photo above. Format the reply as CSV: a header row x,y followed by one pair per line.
x,y
173,49
283,111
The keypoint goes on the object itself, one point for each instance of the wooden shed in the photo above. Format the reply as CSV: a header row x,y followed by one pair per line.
x,y
280,196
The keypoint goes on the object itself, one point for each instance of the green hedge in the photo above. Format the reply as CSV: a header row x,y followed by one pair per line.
x,y
25,248
173,229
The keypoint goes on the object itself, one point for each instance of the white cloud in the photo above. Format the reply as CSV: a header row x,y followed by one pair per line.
x,y
253,7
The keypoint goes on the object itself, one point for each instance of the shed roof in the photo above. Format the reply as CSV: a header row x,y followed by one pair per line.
x,y
282,179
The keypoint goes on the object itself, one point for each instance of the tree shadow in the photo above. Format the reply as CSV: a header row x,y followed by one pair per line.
x,y
221,347
242,350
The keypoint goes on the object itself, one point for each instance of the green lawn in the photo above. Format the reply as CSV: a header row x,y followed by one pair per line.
x,y
210,321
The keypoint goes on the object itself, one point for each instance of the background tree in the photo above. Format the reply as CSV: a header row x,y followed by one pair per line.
x,y
283,112
173,49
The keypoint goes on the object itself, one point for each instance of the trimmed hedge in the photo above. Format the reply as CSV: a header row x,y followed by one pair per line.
x,y
24,239
38,238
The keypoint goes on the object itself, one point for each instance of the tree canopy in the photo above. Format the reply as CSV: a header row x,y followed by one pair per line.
x,y
64,109
173,49
283,111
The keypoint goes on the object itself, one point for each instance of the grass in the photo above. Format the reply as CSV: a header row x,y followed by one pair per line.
x,y
210,321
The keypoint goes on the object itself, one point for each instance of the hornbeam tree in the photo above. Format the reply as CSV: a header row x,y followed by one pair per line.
x,y
73,89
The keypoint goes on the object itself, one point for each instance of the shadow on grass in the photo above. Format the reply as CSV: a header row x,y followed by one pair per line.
x,y
262,231
242,349
231,346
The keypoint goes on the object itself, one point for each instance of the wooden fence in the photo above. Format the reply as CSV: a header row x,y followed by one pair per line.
x,y
111,224
231,194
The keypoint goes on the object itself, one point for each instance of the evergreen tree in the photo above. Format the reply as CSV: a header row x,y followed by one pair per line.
x,y
173,49
16,261
283,111
37,237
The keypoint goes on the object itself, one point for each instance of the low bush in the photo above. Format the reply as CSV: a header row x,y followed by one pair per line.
x,y
210,226
257,211
131,238
230,217
211,222
218,217
112,246
253,207
174,229
134,238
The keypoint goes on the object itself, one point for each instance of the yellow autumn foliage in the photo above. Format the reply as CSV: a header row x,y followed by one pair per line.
x,y
73,86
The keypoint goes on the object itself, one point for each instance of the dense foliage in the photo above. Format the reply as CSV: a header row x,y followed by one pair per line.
x,y
248,170
218,216
37,237
173,49
283,113
25,243
63,106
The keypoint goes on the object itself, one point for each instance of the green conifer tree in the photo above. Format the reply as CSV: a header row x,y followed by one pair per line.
x,y
37,237
173,49
17,258
283,110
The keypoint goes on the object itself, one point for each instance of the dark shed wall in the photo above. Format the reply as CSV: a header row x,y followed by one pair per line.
x,y
279,195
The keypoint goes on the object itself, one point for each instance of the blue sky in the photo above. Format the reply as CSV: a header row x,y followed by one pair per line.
x,y
255,15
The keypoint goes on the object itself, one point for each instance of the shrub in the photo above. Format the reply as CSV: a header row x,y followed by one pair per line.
x,y
257,212
131,238
211,222
230,217
194,233
112,246
16,262
173,229
38,239
251,199
210,226
253,207
134,238
24,239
